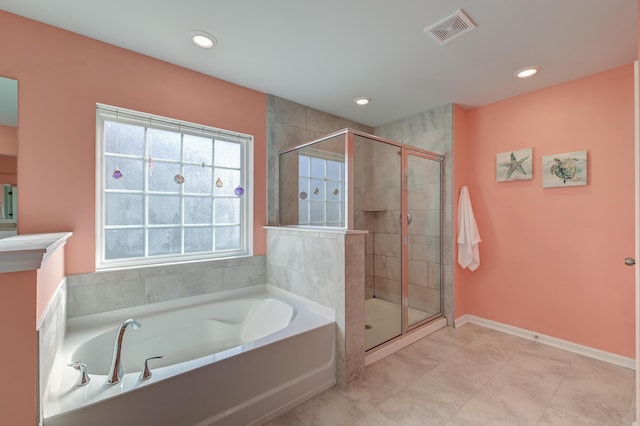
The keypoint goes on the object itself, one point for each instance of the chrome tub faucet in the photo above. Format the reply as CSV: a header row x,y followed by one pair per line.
x,y
116,372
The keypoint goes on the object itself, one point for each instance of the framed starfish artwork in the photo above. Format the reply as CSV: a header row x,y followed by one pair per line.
x,y
514,165
568,169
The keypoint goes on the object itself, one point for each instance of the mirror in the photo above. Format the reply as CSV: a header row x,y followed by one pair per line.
x,y
8,156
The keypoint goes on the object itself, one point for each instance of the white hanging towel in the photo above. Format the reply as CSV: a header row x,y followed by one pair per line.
x,y
468,235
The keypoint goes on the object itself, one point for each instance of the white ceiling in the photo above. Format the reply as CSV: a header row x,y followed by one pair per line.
x,y
325,53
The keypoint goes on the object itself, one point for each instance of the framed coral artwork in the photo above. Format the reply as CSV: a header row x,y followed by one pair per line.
x,y
514,165
568,169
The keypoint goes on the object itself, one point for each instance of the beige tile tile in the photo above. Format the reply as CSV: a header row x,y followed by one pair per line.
x,y
329,408
522,394
405,409
383,379
601,398
467,372
477,376
437,349
480,413
498,345
451,337
443,398
416,360
368,421
542,359
287,419
515,381
582,366
557,416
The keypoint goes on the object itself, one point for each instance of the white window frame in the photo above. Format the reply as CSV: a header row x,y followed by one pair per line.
x,y
111,113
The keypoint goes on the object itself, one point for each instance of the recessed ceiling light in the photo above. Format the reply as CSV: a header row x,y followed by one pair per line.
x,y
203,39
527,72
362,101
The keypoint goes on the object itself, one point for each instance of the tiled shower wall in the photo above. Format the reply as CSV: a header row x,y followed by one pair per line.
x,y
433,131
378,204
288,125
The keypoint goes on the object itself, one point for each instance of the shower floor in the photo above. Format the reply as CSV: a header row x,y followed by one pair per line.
x,y
383,321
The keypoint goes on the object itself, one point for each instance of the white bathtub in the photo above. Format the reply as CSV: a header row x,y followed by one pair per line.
x,y
231,358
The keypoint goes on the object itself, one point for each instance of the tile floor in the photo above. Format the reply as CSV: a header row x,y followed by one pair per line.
x,y
477,376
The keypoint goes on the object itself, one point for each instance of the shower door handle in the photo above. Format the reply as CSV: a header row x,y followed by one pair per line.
x,y
409,218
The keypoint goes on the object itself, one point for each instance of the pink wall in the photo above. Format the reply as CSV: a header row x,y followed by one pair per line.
x,y
61,76
552,259
18,349
8,140
461,166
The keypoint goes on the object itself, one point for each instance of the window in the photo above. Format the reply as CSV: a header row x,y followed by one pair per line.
x,y
169,190
321,188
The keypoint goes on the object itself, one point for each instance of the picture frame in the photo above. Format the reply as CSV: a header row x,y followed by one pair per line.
x,y
514,165
566,169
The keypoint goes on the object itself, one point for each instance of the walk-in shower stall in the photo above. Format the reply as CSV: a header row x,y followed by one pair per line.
x,y
357,181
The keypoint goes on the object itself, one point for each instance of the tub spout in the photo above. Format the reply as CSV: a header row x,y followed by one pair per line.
x,y
116,372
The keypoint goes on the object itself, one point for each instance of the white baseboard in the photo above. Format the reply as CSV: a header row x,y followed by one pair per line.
x,y
548,340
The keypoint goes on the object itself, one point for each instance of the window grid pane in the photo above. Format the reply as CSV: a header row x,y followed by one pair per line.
x,y
189,198
321,191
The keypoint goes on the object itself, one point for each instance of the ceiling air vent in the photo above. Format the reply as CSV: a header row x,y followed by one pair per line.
x,y
451,27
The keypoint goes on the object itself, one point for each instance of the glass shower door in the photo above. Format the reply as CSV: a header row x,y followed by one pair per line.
x,y
422,238
377,208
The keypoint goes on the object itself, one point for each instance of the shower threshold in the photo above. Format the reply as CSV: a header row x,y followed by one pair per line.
x,y
378,328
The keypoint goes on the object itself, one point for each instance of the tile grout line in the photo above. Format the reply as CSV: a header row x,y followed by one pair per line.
x,y
548,404
473,395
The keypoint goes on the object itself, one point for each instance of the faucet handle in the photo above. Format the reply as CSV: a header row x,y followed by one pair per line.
x,y
146,373
82,368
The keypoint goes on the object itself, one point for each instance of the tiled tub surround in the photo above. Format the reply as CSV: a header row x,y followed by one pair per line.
x,y
51,333
106,290
327,267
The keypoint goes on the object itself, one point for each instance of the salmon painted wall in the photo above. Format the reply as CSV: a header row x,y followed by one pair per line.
x,y
460,179
61,77
18,350
552,258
